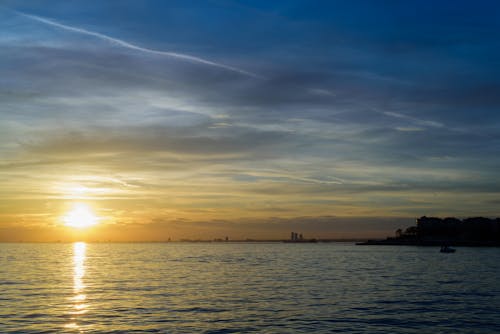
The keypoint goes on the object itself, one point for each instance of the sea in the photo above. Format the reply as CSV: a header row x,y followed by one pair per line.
x,y
229,287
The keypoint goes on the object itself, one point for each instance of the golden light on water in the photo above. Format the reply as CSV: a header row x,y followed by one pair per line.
x,y
79,268
80,217
78,306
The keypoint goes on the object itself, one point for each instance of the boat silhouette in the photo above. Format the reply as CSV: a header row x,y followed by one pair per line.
x,y
446,249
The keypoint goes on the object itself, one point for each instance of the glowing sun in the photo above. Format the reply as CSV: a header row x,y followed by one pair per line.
x,y
80,216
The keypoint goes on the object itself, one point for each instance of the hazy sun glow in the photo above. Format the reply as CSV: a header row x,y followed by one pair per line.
x,y
80,216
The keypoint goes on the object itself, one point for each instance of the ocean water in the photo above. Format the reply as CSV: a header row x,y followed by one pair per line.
x,y
247,287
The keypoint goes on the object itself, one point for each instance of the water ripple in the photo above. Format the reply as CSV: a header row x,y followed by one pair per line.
x,y
244,288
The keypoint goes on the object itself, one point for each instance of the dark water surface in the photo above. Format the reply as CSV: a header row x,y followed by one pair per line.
x,y
247,287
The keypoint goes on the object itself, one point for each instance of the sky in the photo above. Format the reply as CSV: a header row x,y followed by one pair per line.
x,y
247,119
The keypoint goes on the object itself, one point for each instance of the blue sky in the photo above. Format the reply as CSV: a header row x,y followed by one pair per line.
x,y
257,110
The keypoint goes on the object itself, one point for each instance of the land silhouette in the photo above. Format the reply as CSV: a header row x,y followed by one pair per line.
x,y
434,231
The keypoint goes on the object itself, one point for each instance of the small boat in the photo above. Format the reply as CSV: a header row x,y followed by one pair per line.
x,y
446,249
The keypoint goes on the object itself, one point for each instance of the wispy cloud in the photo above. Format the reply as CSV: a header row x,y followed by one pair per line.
x,y
131,46
408,129
414,119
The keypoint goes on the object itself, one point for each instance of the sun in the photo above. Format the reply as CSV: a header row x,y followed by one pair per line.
x,y
80,216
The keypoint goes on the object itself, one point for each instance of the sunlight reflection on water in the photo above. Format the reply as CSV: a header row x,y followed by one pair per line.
x,y
78,305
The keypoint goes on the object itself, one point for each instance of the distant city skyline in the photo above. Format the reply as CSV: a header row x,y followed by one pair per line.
x,y
148,120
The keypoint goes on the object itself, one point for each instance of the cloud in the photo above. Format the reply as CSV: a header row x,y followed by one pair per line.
x,y
131,46
408,129
197,140
414,119
363,119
